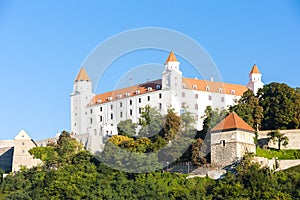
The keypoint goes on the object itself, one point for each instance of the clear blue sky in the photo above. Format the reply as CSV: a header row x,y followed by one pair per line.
x,y
43,44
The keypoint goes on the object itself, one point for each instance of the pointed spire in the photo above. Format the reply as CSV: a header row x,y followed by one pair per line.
x,y
255,70
82,75
172,57
232,122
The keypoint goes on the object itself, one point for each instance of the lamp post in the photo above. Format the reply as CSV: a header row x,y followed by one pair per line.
x,y
188,167
167,165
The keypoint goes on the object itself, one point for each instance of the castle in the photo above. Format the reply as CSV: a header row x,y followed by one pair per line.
x,y
99,114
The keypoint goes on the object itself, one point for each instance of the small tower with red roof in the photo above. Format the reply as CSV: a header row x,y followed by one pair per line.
x,y
255,82
231,139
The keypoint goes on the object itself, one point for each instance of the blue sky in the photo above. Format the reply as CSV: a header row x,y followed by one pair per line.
x,y
44,43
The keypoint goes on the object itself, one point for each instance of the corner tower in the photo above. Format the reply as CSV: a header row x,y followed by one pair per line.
x,y
255,82
172,82
80,98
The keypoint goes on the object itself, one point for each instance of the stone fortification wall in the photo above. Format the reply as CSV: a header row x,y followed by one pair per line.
x,y
293,135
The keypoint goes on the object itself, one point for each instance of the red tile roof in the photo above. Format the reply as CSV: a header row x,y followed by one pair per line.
x,y
232,122
172,57
82,75
132,91
255,70
211,86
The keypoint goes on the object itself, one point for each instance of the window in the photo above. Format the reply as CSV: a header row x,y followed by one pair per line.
x,y
74,124
140,110
160,95
183,86
91,120
130,112
130,102
222,99
148,98
194,86
111,106
232,92
207,89
183,94
101,109
235,100
220,90
121,114
209,97
196,96
140,100
222,143
137,91
101,119
111,116
23,143
160,106
121,104
158,87
91,111
196,106
23,151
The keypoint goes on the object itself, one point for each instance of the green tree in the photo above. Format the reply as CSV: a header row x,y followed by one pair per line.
x,y
171,125
151,122
278,137
249,109
126,128
281,105
197,157
212,118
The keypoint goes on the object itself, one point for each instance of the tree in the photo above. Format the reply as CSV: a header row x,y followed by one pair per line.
x,y
212,117
281,105
197,157
249,109
59,154
126,128
171,125
151,122
278,137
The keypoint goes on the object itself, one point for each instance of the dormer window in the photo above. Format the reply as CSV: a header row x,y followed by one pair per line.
x,y
109,98
232,92
137,91
194,87
99,101
149,89
220,90
119,96
207,88
183,86
127,94
158,87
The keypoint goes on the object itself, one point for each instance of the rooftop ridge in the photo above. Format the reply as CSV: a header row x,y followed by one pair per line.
x,y
232,122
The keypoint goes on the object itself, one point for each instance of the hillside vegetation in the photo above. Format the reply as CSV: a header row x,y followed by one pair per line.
x,y
81,176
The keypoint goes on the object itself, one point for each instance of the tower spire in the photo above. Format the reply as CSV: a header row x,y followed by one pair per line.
x,y
172,57
82,76
255,70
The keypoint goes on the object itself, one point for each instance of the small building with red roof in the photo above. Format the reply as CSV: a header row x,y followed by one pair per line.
x,y
231,139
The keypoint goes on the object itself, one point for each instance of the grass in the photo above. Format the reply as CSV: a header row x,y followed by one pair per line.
x,y
295,169
286,154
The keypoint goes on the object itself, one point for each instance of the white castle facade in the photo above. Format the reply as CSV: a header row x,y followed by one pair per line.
x,y
99,114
